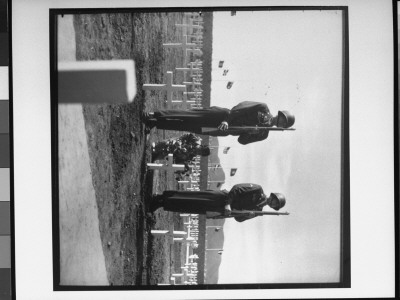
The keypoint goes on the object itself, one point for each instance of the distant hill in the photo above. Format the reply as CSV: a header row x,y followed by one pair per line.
x,y
214,236
214,174
209,237
215,240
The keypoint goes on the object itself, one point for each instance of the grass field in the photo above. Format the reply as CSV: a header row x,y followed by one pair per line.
x,y
119,150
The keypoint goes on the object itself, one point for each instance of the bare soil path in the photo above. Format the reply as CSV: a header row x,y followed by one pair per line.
x,y
103,153
81,255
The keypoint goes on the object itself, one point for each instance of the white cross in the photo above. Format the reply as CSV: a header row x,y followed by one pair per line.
x,y
169,166
193,189
175,233
194,51
102,81
197,77
189,26
186,53
184,45
184,101
197,63
190,181
197,37
199,93
168,86
193,84
191,68
197,99
191,14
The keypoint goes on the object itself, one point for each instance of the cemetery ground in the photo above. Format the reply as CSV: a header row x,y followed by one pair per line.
x,y
119,150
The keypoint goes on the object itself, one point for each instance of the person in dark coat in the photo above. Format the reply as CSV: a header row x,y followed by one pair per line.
x,y
247,113
244,196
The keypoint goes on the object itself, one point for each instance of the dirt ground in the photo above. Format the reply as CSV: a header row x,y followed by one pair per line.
x,y
79,245
119,150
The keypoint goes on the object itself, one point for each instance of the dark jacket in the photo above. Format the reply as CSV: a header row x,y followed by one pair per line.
x,y
243,114
246,196
246,114
241,196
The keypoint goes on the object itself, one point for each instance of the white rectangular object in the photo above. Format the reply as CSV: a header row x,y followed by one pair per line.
x,y
108,81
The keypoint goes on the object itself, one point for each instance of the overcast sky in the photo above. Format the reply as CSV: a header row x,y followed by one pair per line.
x,y
291,60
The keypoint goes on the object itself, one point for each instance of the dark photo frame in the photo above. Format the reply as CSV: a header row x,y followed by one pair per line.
x,y
117,151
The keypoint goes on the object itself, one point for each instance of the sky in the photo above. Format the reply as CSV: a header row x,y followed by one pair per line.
x,y
291,60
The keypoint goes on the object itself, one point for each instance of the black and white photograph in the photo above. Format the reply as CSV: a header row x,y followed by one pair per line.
x,y
201,151
181,146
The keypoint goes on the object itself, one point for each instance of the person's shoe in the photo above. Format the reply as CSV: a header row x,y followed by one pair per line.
x,y
147,115
149,120
156,202
147,130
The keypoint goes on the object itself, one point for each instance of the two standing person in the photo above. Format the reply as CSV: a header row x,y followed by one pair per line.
x,y
242,196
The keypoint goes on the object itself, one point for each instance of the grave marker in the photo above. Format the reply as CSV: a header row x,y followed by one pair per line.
x,y
169,87
105,81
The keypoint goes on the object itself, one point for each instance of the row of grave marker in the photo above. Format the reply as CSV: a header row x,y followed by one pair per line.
x,y
191,44
188,275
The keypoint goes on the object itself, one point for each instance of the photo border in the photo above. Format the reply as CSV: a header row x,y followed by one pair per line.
x,y
396,137
345,261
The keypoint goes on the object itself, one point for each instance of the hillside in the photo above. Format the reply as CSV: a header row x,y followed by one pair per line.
x,y
215,240
215,237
